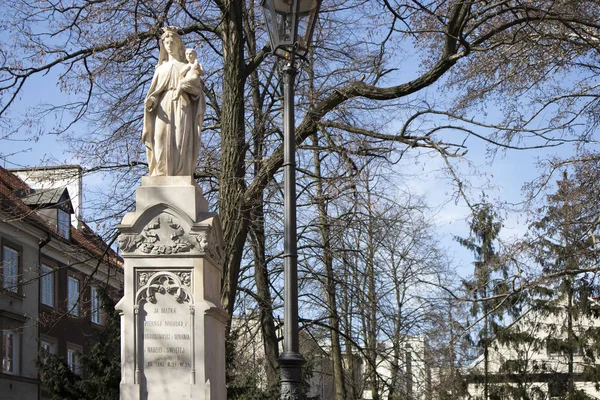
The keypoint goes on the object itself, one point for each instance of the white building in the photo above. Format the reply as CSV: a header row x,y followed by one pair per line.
x,y
412,380
64,176
535,365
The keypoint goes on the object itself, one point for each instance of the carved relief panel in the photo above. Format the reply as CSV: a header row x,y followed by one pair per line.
x,y
164,235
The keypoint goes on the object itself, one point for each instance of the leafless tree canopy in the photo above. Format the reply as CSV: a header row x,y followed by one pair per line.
x,y
384,77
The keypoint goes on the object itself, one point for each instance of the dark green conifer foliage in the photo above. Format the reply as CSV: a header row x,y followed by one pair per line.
x,y
487,287
565,249
100,368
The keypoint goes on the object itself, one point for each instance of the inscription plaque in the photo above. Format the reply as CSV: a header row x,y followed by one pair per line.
x,y
165,327
166,333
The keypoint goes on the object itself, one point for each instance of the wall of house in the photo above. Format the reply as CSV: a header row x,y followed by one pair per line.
x,y
541,365
59,325
34,322
18,311
49,215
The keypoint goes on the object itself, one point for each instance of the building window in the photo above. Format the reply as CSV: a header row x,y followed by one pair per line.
x,y
47,285
10,352
96,306
48,347
64,224
73,359
73,296
10,269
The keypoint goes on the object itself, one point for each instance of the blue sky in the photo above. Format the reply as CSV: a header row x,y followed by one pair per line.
x,y
501,179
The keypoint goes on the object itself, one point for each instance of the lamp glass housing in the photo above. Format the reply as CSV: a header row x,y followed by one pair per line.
x,y
290,24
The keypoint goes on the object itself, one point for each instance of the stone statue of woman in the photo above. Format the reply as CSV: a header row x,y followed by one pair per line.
x,y
173,111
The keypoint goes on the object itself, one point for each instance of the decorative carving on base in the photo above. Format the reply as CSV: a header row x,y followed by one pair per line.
x,y
184,277
164,235
163,283
209,244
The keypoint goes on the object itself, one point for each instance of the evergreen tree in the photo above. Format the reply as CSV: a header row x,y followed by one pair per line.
x,y
100,373
555,317
484,288
565,250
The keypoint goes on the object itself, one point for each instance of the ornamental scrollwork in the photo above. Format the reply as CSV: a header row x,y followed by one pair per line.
x,y
185,278
209,244
164,282
164,235
144,277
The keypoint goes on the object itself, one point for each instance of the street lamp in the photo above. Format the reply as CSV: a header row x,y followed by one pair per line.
x,y
290,24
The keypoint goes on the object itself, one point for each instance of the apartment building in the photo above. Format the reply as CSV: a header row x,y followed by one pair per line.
x,y
407,376
538,365
51,272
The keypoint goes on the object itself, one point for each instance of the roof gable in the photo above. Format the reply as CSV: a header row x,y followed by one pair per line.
x,y
16,209
55,197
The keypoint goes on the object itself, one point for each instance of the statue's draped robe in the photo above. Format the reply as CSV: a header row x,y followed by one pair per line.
x,y
172,126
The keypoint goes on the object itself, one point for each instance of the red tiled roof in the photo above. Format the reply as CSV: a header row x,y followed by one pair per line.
x,y
85,238
12,181
11,203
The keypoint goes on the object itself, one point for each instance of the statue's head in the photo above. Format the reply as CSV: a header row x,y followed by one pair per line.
x,y
171,43
190,55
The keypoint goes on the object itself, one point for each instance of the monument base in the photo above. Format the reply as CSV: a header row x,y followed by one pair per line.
x,y
172,324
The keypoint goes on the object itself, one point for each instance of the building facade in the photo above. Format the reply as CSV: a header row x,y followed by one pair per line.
x,y
51,274
405,372
409,374
537,366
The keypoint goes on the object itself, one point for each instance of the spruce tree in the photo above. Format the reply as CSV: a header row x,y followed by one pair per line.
x,y
551,338
484,227
488,289
565,250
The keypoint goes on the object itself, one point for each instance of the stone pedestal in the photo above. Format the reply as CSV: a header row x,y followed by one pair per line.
x,y
172,323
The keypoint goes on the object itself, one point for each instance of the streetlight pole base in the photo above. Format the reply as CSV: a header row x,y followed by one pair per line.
x,y
290,365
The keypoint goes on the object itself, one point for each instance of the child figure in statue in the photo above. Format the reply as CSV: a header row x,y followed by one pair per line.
x,y
191,73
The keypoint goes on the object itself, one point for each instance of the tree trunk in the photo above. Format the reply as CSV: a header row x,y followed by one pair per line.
x,y
348,321
232,209
452,361
263,297
486,327
371,304
397,336
330,289
257,224
486,356
570,340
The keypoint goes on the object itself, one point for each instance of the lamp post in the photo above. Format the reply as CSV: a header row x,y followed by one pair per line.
x,y
290,24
